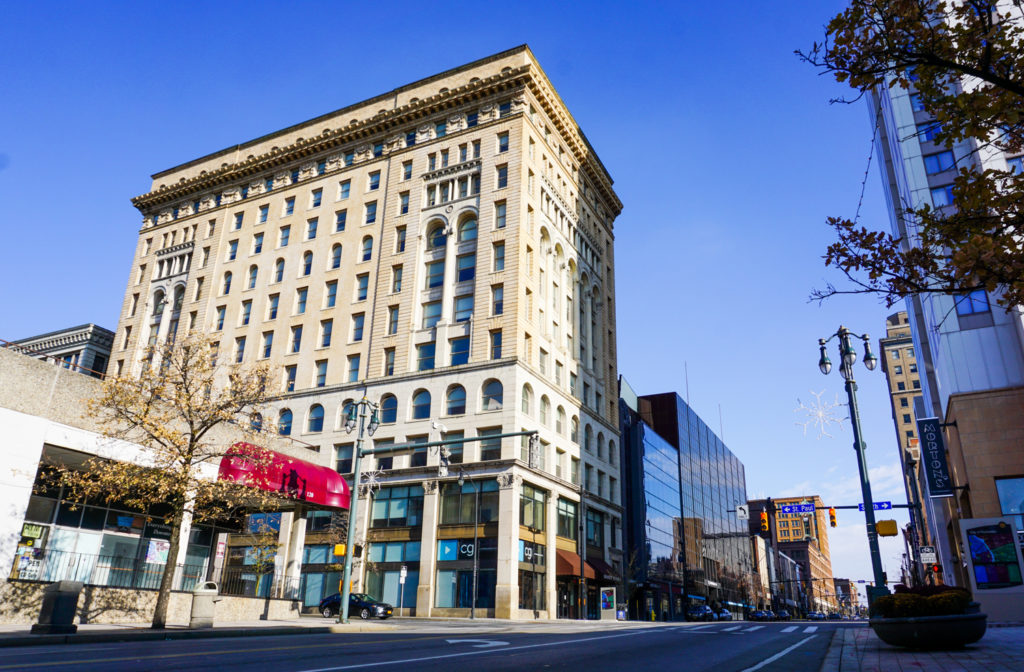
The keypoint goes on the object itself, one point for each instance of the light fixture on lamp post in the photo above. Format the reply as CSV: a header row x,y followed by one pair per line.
x,y
847,358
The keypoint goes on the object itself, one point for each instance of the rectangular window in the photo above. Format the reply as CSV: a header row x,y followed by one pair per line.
x,y
928,131
399,240
272,306
496,344
441,129
937,163
465,267
300,300
378,150
339,220
568,519
238,219
403,203
257,243
316,197
389,361
246,311
460,350
371,212
264,212
331,295
916,104
544,361
970,304
353,368
431,161
289,378
350,158
904,403
268,343
531,507
504,109
373,184
425,357
296,338
400,506
407,170
490,445
357,326
362,286
392,319
444,158
232,250
942,196
499,215
431,314
595,528
343,458
289,205
463,153
221,310
472,119
497,300
1016,165
396,279
283,236
463,308
344,188
321,373
326,328
502,176
499,256
502,142
311,226
435,273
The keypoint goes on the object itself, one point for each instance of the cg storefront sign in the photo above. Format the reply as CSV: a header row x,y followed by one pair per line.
x,y
455,549
933,458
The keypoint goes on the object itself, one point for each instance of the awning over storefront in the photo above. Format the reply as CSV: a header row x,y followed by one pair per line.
x,y
602,569
567,563
291,477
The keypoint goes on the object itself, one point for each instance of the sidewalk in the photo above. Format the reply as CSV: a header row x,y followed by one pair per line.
x,y
859,650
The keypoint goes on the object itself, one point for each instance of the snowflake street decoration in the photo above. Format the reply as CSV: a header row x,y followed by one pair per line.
x,y
820,414
372,480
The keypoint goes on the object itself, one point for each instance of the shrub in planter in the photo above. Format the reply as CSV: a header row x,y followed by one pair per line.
x,y
909,604
927,617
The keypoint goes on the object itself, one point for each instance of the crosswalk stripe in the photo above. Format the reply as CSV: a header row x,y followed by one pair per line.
x,y
756,627
810,628
789,629
702,627
735,627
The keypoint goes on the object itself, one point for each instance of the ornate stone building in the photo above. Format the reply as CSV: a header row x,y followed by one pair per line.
x,y
446,250
85,348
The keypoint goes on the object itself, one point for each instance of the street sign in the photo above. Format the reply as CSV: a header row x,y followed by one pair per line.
x,y
928,554
402,574
877,506
933,458
743,511
798,508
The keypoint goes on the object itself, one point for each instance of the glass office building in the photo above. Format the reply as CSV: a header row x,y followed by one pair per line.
x,y
681,486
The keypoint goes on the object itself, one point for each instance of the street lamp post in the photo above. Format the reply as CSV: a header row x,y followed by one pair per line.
x,y
847,358
476,537
357,415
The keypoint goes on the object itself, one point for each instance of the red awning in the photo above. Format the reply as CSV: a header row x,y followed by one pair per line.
x,y
289,476
602,569
567,563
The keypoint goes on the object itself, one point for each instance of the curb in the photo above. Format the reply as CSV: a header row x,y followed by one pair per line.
x,y
174,634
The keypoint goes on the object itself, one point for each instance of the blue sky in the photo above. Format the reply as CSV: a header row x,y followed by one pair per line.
x,y
723,147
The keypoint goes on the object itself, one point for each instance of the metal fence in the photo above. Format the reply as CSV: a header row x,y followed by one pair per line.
x,y
247,582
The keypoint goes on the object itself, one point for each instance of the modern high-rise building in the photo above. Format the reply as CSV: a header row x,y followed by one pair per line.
x,y
899,362
970,350
444,249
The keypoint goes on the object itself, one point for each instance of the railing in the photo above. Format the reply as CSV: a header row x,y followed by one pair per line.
x,y
247,582
103,570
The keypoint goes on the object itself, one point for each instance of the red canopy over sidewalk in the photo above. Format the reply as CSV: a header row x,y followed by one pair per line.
x,y
291,477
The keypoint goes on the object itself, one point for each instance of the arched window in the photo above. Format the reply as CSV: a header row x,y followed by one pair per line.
x,y
560,421
574,431
284,422
467,230
588,438
307,263
527,400
436,238
256,422
316,419
611,452
456,402
421,405
493,395
388,409
253,272
279,270
600,445
336,256
179,297
227,283
158,303
545,410
347,407
367,248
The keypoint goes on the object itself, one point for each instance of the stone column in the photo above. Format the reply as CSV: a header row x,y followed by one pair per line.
x,y
506,592
296,546
550,555
428,549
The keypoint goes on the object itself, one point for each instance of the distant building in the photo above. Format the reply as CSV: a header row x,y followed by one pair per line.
x,y
85,348
846,595
684,544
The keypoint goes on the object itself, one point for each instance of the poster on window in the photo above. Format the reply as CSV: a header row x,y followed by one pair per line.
x,y
157,551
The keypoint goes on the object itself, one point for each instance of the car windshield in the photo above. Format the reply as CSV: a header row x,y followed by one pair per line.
x,y
362,597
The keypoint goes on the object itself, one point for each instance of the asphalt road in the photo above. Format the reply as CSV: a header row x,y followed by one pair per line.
x,y
721,647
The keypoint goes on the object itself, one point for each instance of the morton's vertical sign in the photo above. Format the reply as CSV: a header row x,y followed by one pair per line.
x,y
933,458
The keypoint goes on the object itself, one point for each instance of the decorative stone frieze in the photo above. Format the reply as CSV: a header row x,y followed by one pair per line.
x,y
430,487
508,481
231,194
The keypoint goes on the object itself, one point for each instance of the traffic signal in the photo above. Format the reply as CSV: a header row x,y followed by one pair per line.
x,y
764,521
832,516
936,568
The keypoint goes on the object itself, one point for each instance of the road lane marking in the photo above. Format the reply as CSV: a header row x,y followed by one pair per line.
x,y
778,655
702,627
524,647
735,627
752,628
790,628
810,628
478,643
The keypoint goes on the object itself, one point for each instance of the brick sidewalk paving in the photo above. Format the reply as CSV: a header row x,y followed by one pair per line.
x,y
859,650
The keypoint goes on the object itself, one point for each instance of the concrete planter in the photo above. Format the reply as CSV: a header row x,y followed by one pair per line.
x,y
931,632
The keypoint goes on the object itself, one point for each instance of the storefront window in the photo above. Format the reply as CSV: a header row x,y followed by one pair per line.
x,y
568,519
1011,499
531,507
397,507
457,503
531,590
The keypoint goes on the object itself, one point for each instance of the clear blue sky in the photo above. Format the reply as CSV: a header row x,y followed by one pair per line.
x,y
722,145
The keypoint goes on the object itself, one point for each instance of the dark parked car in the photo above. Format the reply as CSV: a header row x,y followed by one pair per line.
x,y
783,615
815,616
758,615
700,613
725,615
359,604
